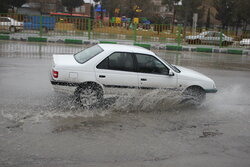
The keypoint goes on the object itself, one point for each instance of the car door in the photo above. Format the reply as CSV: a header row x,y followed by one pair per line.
x,y
216,38
117,74
207,39
153,73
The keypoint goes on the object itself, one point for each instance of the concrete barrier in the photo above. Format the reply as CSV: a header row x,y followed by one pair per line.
x,y
73,41
174,47
147,46
208,50
37,39
4,37
235,51
108,42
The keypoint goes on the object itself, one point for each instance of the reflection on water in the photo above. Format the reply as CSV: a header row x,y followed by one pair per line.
x,y
36,50
210,60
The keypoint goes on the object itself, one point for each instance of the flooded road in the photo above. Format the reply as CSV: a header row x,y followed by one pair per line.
x,y
41,128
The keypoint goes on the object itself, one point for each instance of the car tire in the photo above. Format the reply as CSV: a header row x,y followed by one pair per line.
x,y
89,94
194,41
44,29
12,29
225,43
194,94
197,41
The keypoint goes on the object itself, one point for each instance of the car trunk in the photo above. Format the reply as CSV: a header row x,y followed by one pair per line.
x,y
65,60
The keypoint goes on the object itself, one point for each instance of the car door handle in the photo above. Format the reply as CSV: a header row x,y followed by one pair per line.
x,y
102,76
143,79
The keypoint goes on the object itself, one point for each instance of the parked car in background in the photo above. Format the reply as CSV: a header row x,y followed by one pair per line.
x,y
37,22
245,42
9,24
210,38
111,69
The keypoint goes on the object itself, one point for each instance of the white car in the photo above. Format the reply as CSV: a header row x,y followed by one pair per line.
x,y
7,23
209,37
112,69
245,42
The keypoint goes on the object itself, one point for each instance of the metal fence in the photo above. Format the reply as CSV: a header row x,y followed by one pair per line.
x,y
86,28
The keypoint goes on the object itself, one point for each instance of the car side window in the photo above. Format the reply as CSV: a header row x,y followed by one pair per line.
x,y
118,61
5,20
150,64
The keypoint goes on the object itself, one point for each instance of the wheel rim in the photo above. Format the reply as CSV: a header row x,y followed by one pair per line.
x,y
88,97
12,29
196,95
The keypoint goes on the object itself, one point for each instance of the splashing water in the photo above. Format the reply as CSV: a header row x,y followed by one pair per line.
x,y
63,106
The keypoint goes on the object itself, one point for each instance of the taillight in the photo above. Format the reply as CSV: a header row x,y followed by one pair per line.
x,y
55,73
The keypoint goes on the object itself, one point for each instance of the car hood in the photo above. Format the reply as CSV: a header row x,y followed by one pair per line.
x,y
187,73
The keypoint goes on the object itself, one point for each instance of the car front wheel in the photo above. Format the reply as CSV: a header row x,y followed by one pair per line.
x,y
194,94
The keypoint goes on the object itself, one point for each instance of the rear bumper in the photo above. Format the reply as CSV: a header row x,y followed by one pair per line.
x,y
211,90
63,87
53,82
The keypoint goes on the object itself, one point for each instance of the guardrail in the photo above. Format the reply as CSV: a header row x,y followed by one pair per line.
x,y
40,27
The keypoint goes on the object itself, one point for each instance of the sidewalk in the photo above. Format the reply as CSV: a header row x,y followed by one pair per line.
x,y
149,45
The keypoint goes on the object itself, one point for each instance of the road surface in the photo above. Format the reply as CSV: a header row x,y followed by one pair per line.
x,y
40,128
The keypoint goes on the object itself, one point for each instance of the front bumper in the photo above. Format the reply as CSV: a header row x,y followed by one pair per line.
x,y
211,90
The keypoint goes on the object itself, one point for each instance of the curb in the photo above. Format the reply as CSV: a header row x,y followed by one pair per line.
x,y
234,51
37,39
108,42
207,50
4,37
73,41
174,47
147,46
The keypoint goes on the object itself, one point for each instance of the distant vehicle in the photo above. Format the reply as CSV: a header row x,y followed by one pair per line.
x,y
110,69
37,22
209,37
245,42
12,25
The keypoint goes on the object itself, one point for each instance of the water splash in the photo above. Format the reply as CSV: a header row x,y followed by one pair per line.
x,y
232,99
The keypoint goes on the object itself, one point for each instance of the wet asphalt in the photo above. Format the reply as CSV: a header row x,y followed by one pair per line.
x,y
43,129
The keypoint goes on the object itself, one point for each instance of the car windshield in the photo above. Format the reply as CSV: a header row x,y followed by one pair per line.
x,y
171,66
87,54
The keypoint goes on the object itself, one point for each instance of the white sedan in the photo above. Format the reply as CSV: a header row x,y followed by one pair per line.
x,y
211,38
111,69
245,42
7,23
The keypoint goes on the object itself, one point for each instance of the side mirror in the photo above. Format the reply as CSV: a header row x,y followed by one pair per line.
x,y
171,73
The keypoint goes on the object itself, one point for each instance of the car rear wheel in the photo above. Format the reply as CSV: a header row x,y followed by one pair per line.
x,y
12,29
194,94
225,43
89,95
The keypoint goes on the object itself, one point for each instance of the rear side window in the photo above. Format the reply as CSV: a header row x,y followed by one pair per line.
x,y
118,61
87,54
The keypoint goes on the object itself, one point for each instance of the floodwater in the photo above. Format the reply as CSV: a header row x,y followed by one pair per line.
x,y
41,128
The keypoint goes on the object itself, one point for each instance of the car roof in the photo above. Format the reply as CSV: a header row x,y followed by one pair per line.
x,y
125,48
